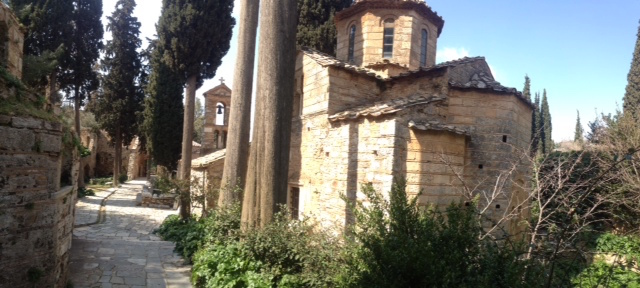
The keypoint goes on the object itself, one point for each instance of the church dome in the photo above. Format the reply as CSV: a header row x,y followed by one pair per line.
x,y
404,32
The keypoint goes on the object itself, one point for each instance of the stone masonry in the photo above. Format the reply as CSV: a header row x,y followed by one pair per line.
x,y
12,40
36,214
369,115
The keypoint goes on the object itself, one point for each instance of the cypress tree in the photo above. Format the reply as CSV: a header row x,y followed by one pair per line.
x,y
84,50
195,35
632,93
315,23
579,132
535,125
266,185
545,125
122,97
163,112
526,91
237,156
47,42
198,123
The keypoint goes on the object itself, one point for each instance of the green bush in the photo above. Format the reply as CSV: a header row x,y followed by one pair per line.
x,y
123,178
285,253
396,243
626,251
83,192
219,226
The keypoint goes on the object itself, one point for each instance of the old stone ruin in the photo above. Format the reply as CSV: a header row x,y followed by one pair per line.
x,y
36,211
381,108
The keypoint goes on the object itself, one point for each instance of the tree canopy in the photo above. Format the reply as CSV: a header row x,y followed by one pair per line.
x,y
164,112
315,23
119,104
632,93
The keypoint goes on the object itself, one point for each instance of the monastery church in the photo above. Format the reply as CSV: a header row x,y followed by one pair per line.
x,y
381,108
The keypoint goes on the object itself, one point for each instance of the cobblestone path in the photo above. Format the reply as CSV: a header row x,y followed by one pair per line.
x,y
121,251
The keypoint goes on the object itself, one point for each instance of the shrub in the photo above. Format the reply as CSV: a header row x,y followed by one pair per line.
x,y
285,253
618,273
83,192
123,178
396,243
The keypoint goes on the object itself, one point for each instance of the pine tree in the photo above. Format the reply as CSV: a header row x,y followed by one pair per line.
x,y
164,112
122,98
535,125
579,132
195,35
631,98
316,28
47,42
545,125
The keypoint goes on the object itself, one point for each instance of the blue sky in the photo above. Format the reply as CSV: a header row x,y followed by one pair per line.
x,y
580,51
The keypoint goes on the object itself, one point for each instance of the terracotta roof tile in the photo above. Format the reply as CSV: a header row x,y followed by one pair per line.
x,y
205,160
384,107
437,126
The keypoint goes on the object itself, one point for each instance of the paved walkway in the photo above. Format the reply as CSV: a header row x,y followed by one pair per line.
x,y
119,250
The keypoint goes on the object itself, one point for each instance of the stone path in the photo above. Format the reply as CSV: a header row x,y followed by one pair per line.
x,y
121,251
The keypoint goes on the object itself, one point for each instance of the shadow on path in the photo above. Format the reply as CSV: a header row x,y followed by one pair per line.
x,y
122,251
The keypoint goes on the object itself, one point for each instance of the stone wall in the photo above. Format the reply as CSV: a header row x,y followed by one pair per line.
x,y
369,37
12,41
36,214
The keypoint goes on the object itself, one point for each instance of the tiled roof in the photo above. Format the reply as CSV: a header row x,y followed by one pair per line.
x,y
328,60
384,107
478,80
483,81
205,160
435,125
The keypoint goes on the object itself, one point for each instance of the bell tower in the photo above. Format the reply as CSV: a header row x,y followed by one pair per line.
x,y
388,35
216,114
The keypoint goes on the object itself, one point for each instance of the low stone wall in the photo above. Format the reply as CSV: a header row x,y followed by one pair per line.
x,y
36,214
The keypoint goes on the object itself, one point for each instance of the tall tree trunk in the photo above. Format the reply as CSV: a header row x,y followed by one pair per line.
x,y
76,107
118,156
235,162
50,93
276,69
187,139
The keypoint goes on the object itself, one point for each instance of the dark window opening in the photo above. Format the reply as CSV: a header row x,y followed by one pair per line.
x,y
352,42
480,166
387,48
295,202
497,206
504,138
423,48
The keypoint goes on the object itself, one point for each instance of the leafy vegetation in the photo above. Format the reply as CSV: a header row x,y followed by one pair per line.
x,y
84,192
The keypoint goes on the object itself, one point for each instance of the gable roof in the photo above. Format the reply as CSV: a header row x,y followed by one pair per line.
x,y
384,107
219,88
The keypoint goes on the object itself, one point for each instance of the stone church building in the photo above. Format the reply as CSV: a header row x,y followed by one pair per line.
x,y
382,109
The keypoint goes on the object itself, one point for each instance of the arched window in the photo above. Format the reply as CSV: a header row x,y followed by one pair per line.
x,y
387,49
352,40
423,48
220,114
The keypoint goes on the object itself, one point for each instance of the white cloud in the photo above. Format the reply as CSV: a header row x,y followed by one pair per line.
x,y
448,54
497,75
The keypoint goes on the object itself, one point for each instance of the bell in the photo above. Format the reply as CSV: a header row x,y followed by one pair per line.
x,y
219,109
